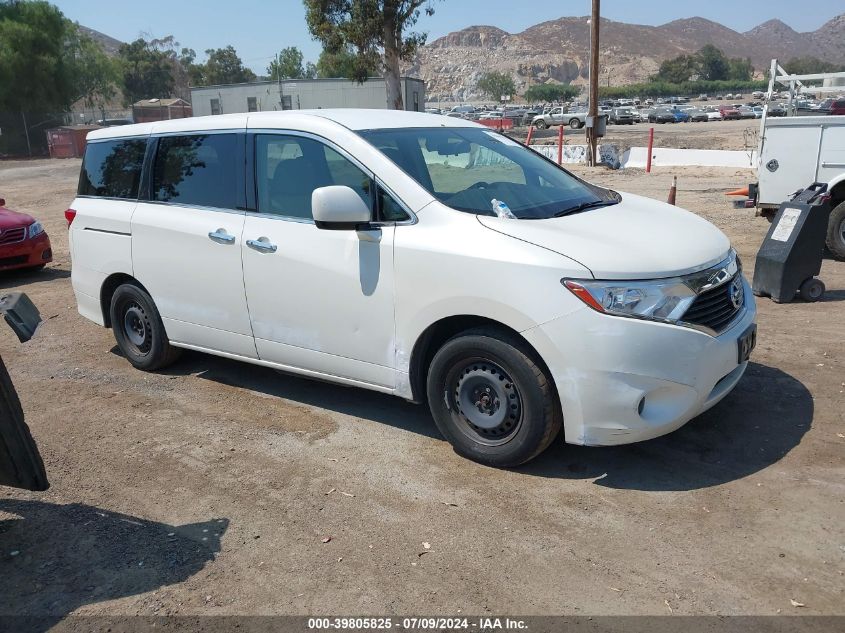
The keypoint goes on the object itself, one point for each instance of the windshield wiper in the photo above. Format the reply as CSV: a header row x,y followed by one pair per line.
x,y
586,205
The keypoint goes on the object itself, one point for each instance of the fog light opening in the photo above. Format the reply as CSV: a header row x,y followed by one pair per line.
x,y
641,405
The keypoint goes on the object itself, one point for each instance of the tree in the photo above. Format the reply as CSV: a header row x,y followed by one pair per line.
x,y
340,64
677,69
96,74
225,67
35,39
287,65
740,69
310,70
712,63
375,30
551,92
810,65
146,71
496,85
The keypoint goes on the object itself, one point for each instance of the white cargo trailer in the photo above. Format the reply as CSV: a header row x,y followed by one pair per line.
x,y
796,151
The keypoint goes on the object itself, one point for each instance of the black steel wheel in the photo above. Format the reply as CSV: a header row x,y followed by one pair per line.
x,y
138,329
492,399
811,289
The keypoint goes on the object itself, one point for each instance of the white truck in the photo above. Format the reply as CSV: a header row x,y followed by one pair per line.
x,y
796,151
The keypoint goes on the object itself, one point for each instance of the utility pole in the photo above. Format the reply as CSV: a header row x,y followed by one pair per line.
x,y
594,80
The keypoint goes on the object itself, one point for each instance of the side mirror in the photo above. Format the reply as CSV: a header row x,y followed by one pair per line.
x,y
338,207
2,202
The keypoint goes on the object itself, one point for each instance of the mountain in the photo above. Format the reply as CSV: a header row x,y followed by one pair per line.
x,y
558,50
109,44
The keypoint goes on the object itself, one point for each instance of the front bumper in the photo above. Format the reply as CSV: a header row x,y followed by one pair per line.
x,y
605,366
26,254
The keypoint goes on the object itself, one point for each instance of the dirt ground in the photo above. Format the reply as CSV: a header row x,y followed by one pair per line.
x,y
210,488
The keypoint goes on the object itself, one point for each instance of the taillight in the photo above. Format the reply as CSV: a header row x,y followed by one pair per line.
x,y
69,215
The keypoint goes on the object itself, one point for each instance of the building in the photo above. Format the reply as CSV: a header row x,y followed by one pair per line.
x,y
148,110
68,141
302,94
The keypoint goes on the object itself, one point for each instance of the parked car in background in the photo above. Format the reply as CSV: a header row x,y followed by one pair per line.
x,y
837,107
776,110
681,116
758,111
703,97
355,249
661,115
729,112
554,116
434,111
746,112
622,116
490,116
697,115
23,241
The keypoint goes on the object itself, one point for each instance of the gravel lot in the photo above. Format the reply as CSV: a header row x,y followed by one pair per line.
x,y
210,488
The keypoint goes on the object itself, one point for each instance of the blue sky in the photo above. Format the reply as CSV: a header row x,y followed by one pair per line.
x,y
260,28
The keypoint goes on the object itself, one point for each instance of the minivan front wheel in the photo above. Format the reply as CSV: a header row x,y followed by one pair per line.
x,y
491,400
138,329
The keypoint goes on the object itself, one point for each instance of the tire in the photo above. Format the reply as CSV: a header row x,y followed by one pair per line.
x,y
492,366
811,289
541,125
575,124
836,232
139,331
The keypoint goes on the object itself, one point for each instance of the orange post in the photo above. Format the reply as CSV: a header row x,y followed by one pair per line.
x,y
530,134
560,145
650,147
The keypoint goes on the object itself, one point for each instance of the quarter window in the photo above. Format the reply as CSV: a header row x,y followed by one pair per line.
x,y
112,169
196,170
289,168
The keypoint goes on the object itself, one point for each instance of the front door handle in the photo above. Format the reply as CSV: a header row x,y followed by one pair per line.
x,y
221,236
262,244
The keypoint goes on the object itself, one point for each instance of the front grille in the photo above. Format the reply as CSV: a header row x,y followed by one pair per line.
x,y
714,308
13,261
11,236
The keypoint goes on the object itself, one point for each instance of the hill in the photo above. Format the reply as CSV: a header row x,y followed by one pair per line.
x,y
557,50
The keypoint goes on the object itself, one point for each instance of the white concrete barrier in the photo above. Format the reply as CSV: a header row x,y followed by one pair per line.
x,y
671,157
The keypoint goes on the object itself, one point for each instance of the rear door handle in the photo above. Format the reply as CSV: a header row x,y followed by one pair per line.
x,y
262,244
221,236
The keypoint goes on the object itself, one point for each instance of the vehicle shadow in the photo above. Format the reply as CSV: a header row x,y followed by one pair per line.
x,y
56,558
360,403
755,426
20,277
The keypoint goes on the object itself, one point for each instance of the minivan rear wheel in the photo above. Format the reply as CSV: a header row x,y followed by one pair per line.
x,y
491,399
138,329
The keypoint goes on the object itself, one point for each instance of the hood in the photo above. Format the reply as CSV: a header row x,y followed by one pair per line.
x,y
11,219
639,238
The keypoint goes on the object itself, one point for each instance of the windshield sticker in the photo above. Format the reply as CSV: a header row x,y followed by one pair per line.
x,y
786,225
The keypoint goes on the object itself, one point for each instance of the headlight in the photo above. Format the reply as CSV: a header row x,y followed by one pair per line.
x,y
663,300
35,229
659,299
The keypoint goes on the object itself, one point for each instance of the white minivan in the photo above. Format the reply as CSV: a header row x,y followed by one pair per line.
x,y
418,255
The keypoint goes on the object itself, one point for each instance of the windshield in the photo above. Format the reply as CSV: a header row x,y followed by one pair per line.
x,y
468,169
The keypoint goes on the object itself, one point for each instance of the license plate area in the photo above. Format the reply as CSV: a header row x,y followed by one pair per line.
x,y
746,343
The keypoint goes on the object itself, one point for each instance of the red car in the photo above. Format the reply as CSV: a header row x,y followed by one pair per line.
x,y
23,241
837,107
729,112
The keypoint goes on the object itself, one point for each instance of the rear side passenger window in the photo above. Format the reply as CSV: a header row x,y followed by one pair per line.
x,y
112,169
196,170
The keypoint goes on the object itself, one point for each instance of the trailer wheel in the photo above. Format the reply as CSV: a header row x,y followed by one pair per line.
x,y
836,232
811,289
